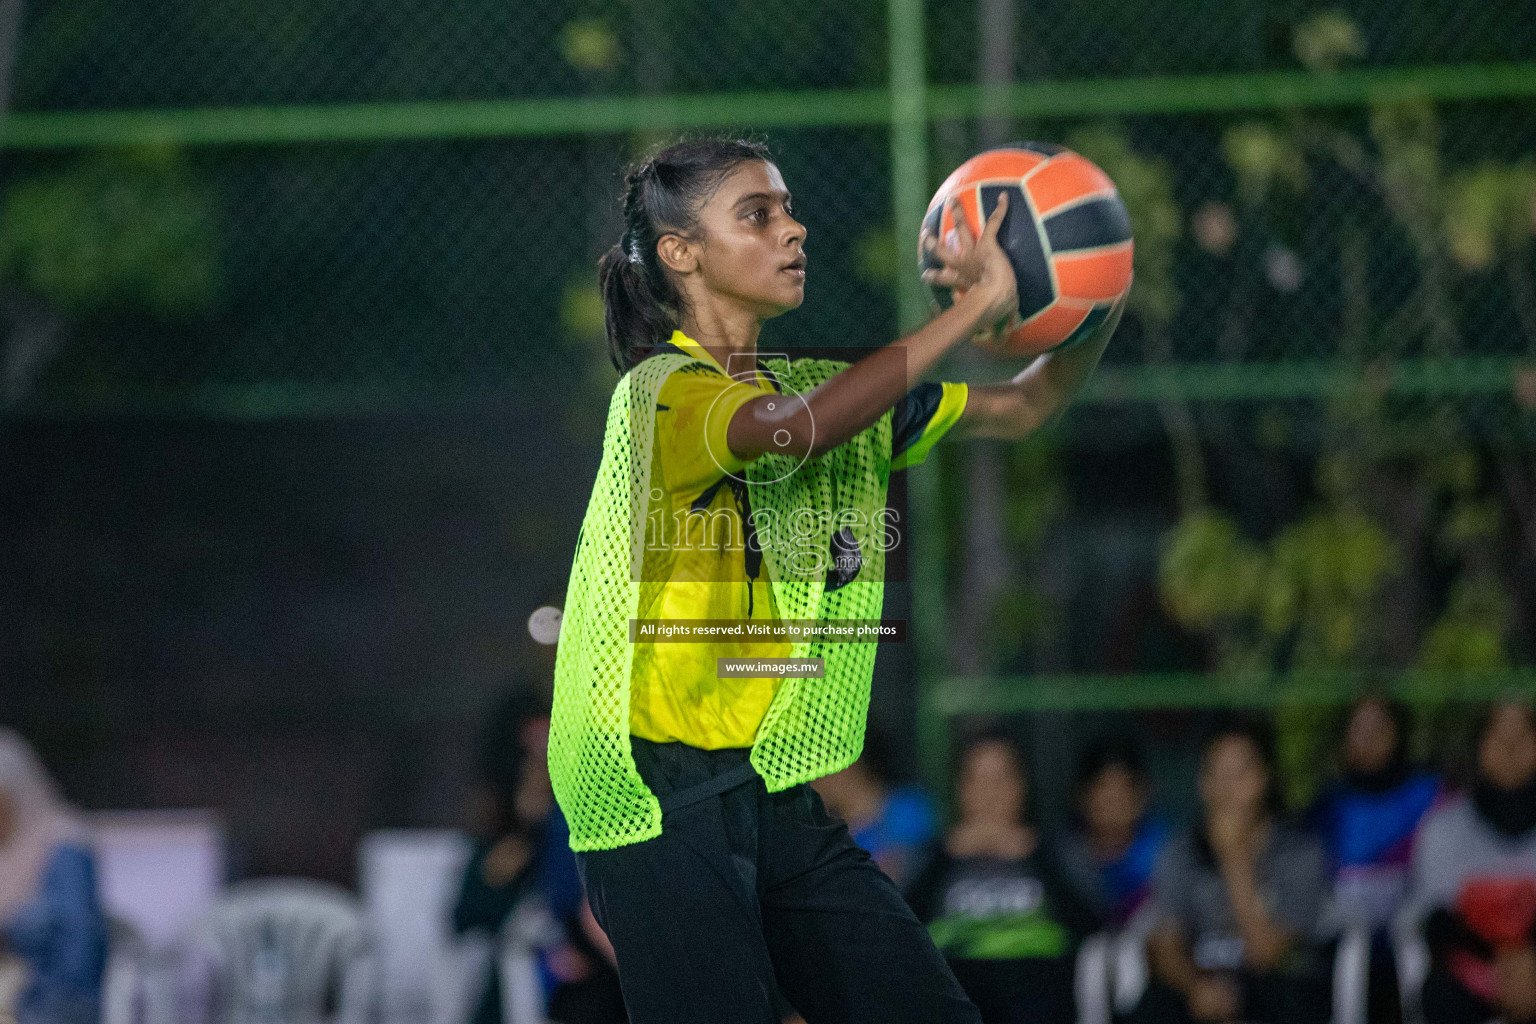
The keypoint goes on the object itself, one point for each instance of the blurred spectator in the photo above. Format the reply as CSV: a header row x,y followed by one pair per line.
x,y
1369,818
892,822
524,851
1238,899
1474,882
1368,821
1110,853
994,899
52,930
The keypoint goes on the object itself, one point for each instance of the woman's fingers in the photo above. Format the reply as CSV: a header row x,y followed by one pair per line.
x,y
962,227
995,219
941,254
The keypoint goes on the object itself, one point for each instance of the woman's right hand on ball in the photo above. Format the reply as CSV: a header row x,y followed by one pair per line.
x,y
976,266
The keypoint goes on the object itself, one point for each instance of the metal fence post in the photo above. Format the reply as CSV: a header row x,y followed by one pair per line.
x,y
909,194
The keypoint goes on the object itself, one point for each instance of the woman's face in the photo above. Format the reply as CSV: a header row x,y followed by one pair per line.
x,y
1113,802
750,247
992,785
1370,742
1233,778
1507,756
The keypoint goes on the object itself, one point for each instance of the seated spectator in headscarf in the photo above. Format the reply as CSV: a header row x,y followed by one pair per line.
x,y
993,897
892,822
1239,899
523,850
1110,852
1474,882
51,922
1368,819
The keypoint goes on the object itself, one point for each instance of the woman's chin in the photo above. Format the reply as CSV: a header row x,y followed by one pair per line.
x,y
796,299
781,304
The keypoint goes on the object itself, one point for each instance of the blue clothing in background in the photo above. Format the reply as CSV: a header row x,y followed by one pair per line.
x,y
61,934
907,822
1114,890
1369,838
1128,880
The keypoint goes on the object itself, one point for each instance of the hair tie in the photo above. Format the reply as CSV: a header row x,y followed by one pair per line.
x,y
631,249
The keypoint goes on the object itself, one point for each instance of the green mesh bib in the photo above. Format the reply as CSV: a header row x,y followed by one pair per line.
x,y
814,726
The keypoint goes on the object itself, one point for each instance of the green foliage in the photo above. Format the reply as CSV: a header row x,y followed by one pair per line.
x,y
590,44
1305,599
1209,573
1262,158
1310,589
1469,636
1490,212
589,376
1036,487
1146,186
1324,573
113,230
1036,502
876,257
1327,40
1302,734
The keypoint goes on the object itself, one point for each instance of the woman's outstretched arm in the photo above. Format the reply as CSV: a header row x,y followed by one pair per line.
x,y
1015,408
831,414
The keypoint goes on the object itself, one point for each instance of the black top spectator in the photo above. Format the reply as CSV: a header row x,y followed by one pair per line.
x,y
993,896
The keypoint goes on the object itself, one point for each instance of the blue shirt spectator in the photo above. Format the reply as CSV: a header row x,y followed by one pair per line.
x,y
1109,856
894,823
1369,819
50,915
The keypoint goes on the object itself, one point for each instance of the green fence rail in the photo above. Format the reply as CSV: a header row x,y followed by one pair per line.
x,y
303,208
607,115
955,698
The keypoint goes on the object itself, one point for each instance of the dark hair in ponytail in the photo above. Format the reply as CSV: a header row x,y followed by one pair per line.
x,y
662,195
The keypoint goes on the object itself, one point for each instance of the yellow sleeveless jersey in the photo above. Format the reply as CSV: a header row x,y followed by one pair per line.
x,y
698,564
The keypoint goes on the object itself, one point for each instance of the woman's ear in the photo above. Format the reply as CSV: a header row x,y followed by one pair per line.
x,y
677,254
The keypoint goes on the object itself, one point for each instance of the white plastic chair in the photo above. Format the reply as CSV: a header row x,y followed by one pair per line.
x,y
281,951
529,929
1093,980
1412,955
1112,975
409,879
123,982
158,871
1352,976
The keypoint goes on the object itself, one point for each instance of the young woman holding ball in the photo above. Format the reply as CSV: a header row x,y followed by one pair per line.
x,y
729,894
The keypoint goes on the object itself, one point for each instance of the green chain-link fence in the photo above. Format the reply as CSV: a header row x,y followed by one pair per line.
x,y
245,208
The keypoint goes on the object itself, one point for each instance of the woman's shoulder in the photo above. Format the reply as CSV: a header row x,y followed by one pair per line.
x,y
1453,814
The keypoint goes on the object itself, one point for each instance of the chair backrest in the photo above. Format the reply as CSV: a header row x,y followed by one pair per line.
x,y
528,929
1094,980
409,880
123,983
1411,954
158,872
287,951
1351,976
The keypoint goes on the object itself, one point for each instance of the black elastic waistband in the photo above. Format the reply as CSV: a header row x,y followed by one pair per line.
x,y
712,786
